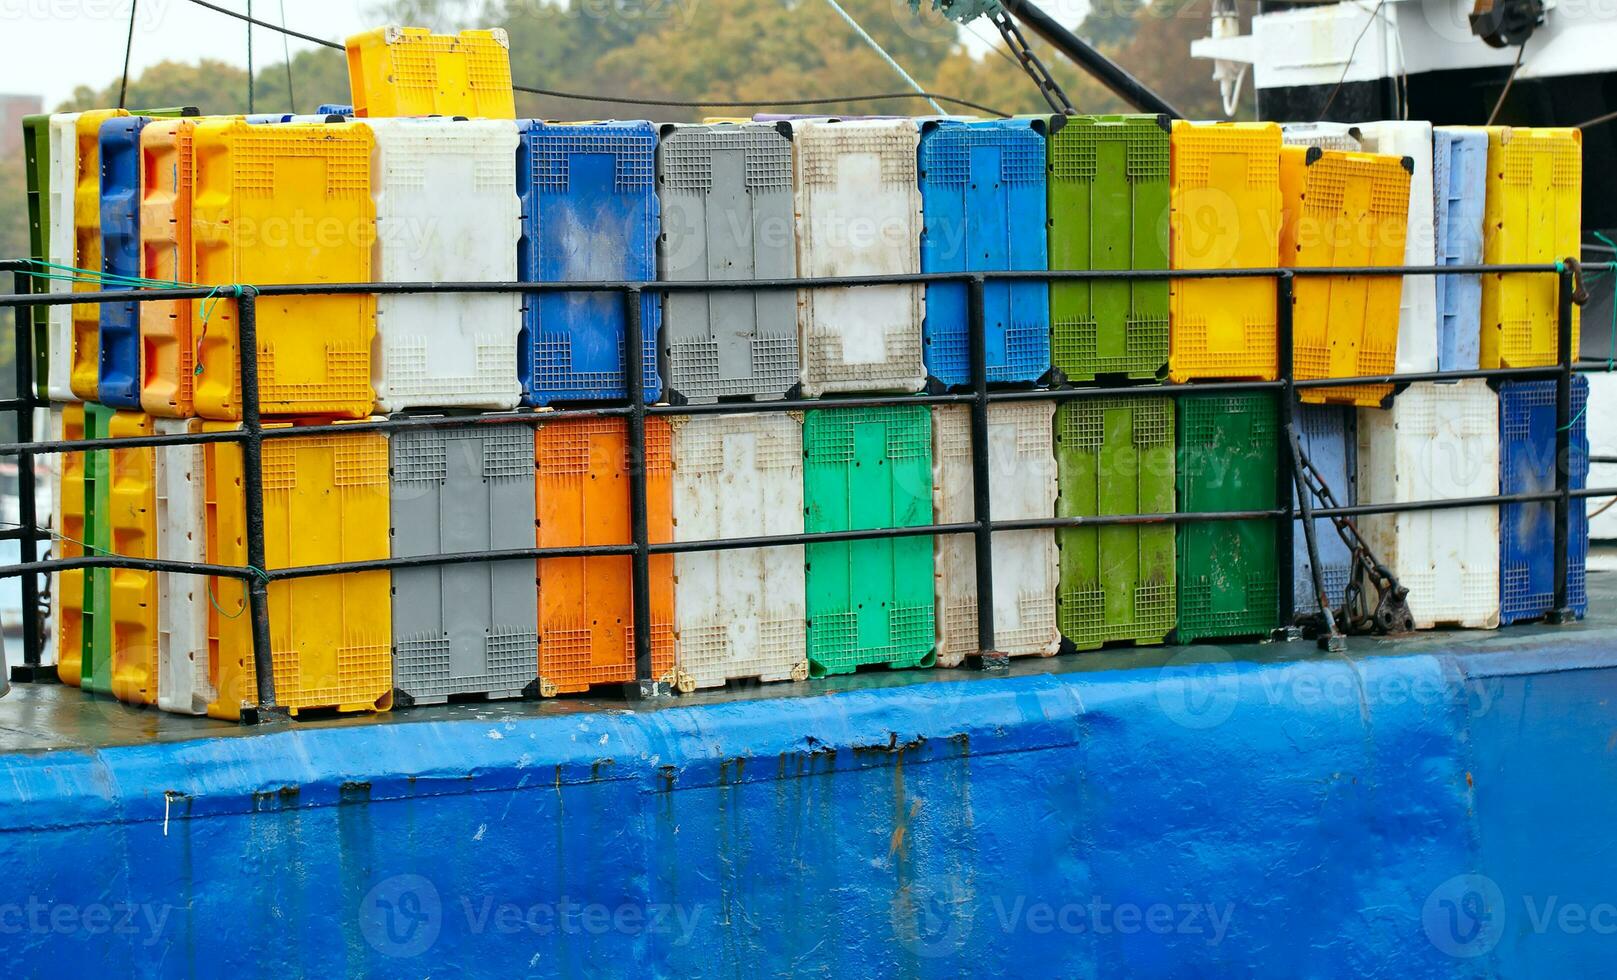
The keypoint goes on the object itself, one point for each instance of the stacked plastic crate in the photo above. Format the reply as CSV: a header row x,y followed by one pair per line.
x,y
1109,202
858,213
1343,208
983,206
1225,214
726,197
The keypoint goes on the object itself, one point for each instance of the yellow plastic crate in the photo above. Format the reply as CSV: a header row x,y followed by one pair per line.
x,y
1533,213
84,372
410,71
1344,209
68,589
167,175
132,520
289,203
325,501
1224,213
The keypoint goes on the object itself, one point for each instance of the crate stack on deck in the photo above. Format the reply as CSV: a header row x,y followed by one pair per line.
x,y
429,177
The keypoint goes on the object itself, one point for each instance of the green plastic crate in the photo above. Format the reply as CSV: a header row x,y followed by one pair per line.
x,y
36,151
97,629
1115,456
1109,210
869,602
1227,461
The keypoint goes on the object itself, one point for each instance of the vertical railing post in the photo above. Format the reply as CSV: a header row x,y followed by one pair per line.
x,y
1286,484
252,452
28,549
987,656
645,684
1561,608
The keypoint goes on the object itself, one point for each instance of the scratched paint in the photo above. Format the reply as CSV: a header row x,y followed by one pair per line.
x,y
1379,817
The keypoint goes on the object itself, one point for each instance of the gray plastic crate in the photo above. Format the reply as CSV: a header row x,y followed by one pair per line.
x,y
726,195
467,629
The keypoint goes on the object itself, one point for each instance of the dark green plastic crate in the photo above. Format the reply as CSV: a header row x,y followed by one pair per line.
x,y
97,629
1115,456
1109,210
1227,461
36,151
869,602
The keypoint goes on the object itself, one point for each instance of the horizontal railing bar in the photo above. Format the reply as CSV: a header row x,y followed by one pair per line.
x,y
122,561
57,446
143,295
1521,373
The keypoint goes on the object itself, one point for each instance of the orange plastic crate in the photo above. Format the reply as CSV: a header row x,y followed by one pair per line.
x,y
1224,213
132,521
1344,209
331,636
586,605
168,361
68,589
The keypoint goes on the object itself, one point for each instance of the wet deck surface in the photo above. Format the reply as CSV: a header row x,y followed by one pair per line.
x,y
44,717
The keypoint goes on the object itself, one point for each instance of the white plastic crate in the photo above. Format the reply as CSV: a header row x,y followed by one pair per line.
x,y
1437,442
59,249
1602,419
858,214
1417,312
183,684
1325,135
1022,484
446,210
738,614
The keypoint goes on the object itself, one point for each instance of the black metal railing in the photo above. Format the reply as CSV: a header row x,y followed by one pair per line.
x,y
251,435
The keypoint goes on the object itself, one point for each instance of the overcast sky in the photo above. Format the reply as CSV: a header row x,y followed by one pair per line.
x,y
47,47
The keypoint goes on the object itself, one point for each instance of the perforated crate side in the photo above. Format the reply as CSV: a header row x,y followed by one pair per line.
x,y
167,353
467,629
68,521
84,355
1344,209
132,593
1226,461
739,615
325,501
1225,213
1328,435
1100,328
1532,213
64,155
1527,530
254,185
1460,185
1022,478
1116,456
119,337
1325,135
410,71
1417,307
726,197
586,182
974,177
858,208
586,610
869,602
183,682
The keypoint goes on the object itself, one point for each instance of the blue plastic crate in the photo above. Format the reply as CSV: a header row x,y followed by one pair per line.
x,y
1527,531
1330,438
1459,189
119,367
333,109
265,118
589,214
983,205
